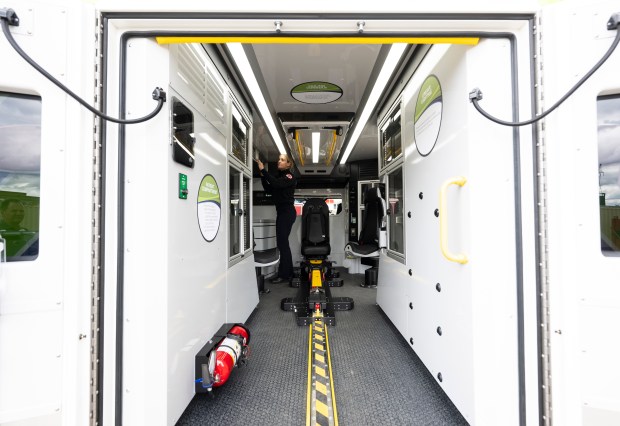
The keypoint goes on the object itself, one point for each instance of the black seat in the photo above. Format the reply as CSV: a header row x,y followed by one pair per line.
x,y
373,235
316,275
315,229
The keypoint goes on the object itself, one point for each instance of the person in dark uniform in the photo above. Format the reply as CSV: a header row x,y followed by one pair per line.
x,y
282,188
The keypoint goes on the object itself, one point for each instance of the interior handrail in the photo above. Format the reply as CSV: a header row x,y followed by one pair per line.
x,y
443,222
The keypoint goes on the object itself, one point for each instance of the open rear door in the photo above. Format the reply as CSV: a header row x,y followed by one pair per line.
x,y
45,206
583,209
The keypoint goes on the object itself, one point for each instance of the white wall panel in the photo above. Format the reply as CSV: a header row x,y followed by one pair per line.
x,y
462,318
241,291
177,291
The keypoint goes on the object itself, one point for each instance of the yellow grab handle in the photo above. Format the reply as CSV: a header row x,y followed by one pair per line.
x,y
443,223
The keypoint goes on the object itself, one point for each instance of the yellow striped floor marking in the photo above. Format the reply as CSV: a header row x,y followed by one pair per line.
x,y
321,400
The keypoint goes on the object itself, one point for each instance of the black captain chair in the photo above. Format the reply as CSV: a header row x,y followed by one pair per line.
x,y
316,274
373,236
315,229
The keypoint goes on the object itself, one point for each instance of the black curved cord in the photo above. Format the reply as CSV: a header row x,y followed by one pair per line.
x,y
476,95
158,94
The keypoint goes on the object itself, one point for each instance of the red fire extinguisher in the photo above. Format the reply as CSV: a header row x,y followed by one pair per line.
x,y
230,352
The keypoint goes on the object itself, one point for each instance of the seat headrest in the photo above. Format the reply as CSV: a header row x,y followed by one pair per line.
x,y
315,221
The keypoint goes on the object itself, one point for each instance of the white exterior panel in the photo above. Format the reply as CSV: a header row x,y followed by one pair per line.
x,y
45,302
584,296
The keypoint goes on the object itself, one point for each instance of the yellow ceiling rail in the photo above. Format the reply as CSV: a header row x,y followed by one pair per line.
x,y
319,40
301,157
332,148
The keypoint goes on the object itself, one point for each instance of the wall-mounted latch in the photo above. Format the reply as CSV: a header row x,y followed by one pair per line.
x,y
278,25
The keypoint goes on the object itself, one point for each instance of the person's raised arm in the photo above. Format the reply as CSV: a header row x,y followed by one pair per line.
x,y
286,180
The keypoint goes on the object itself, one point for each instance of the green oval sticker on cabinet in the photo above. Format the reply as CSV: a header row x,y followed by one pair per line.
x,y
209,207
427,119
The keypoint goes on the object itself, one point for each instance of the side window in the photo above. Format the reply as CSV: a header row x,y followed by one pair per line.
x,y
335,205
20,175
299,205
608,111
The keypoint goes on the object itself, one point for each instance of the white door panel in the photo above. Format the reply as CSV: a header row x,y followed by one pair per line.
x,y
462,318
44,308
582,163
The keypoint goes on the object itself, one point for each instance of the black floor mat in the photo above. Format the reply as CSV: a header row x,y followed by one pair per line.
x,y
378,379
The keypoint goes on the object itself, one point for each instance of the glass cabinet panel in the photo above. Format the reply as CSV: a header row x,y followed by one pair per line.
x,y
395,212
240,232
235,209
240,136
247,230
391,146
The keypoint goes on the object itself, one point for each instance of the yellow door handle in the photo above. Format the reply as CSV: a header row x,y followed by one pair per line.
x,y
443,220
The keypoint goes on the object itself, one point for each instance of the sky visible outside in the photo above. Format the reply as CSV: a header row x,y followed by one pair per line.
x,y
609,148
20,144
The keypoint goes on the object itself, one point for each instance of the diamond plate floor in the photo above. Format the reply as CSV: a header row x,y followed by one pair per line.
x,y
378,379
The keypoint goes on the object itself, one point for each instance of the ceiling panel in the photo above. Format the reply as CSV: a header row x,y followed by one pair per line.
x,y
344,67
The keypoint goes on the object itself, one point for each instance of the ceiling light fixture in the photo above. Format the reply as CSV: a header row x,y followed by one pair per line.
x,y
316,138
236,50
396,51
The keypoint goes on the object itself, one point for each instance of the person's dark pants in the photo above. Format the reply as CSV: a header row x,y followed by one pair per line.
x,y
285,218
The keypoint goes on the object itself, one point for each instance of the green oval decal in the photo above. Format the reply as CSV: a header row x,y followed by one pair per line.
x,y
316,92
427,118
209,208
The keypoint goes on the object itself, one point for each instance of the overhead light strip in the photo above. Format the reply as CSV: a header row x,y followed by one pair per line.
x,y
396,51
316,139
241,60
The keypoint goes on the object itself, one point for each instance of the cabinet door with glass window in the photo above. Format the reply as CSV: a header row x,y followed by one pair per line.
x,y
396,236
390,134
239,213
240,141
